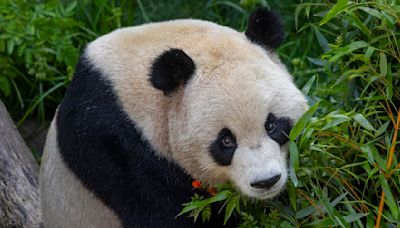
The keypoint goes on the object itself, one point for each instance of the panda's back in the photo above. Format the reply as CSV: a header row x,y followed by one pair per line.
x,y
65,202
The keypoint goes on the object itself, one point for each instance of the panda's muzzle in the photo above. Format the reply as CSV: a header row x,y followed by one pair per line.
x,y
267,183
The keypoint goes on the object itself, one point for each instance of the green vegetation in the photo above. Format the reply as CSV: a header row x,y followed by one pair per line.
x,y
345,55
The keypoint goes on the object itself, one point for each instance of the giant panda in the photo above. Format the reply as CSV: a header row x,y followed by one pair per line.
x,y
153,107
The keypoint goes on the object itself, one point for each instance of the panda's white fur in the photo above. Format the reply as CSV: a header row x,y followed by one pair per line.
x,y
236,84
65,202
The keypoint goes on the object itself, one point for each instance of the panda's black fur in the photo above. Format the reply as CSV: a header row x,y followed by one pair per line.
x,y
265,28
170,69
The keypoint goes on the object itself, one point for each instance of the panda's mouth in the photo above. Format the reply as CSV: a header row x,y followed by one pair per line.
x,y
262,194
270,193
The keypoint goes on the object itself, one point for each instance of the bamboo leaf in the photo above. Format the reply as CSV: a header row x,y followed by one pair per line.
x,y
302,122
373,155
305,212
230,206
5,86
307,87
337,8
335,122
200,204
322,41
369,52
294,163
294,155
10,46
354,217
382,129
390,201
359,118
382,63
348,49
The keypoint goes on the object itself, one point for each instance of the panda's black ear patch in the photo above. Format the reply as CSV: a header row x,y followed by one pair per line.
x,y
171,69
265,28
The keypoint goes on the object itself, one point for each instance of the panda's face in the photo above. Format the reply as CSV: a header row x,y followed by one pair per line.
x,y
232,125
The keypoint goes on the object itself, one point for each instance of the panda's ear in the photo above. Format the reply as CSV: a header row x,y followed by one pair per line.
x,y
265,28
171,69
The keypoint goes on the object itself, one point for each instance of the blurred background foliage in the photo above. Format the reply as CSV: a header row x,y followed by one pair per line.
x,y
344,55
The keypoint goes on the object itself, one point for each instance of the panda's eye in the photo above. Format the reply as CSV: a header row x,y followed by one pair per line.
x,y
227,141
270,127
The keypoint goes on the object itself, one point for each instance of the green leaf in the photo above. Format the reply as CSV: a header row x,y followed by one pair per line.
x,y
293,177
292,196
219,196
294,163
372,12
296,15
382,129
305,212
294,155
326,222
202,203
390,200
370,220
302,122
70,8
358,23
369,52
383,64
373,155
230,206
191,206
10,46
389,82
307,87
285,224
30,30
338,199
337,8
347,49
335,122
322,41
354,217
359,118
206,214
5,86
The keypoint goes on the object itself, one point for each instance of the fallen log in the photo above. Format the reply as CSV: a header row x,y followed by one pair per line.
x,y
19,195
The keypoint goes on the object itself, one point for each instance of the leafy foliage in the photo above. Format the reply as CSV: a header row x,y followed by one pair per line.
x,y
37,54
344,55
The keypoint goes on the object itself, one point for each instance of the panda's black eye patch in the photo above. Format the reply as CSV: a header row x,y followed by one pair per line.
x,y
278,129
223,147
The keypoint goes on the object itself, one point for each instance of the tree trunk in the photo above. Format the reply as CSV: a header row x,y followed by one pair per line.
x,y
19,194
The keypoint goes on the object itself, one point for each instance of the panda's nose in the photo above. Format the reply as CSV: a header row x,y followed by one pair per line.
x,y
267,183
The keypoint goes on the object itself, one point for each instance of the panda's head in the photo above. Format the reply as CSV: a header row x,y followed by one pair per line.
x,y
232,105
